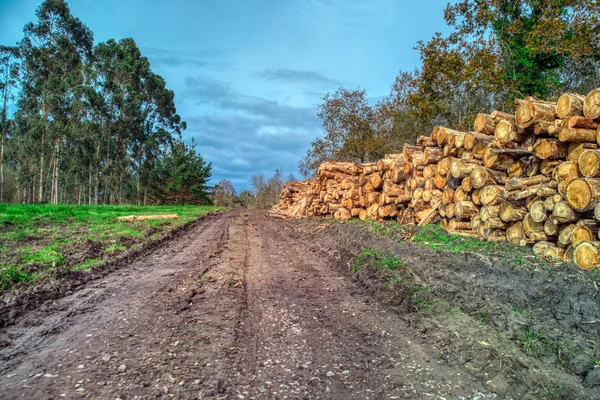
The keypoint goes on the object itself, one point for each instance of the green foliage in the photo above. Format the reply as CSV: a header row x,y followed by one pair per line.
x,y
354,131
87,264
11,274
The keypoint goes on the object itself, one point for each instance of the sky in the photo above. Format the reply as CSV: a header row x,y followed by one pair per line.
x,y
248,75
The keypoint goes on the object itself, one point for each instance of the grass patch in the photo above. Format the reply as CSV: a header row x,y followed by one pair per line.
x,y
115,248
87,264
533,341
11,274
35,239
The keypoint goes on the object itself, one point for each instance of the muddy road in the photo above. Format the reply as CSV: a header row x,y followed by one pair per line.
x,y
241,306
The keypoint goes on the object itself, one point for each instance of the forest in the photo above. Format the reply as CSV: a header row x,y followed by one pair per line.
x,y
90,123
497,52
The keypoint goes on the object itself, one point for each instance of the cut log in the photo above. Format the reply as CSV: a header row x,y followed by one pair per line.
x,y
340,167
376,180
450,210
491,195
576,149
460,168
546,167
577,135
443,167
476,196
517,169
551,228
587,254
456,225
492,159
133,218
466,184
569,104
515,234
531,111
527,192
563,213
494,223
565,173
583,234
589,163
464,210
497,116
569,254
483,176
540,248
583,194
484,123
591,104
448,196
550,149
439,181
582,122
461,195
547,191
523,183
472,138
509,131
512,213
432,155
564,235
530,226
538,211
489,212
554,254
475,222
426,141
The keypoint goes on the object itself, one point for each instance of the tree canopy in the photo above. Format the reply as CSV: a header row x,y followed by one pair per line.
x,y
497,51
91,123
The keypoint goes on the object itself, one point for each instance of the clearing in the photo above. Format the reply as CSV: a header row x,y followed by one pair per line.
x,y
239,305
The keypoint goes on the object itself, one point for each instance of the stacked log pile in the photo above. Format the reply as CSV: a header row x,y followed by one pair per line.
x,y
530,178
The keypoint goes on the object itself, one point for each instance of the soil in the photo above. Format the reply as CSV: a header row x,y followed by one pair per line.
x,y
243,306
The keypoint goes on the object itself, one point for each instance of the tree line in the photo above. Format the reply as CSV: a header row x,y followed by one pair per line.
x,y
264,193
497,51
90,123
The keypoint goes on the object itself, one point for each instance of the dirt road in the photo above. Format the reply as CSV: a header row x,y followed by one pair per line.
x,y
236,308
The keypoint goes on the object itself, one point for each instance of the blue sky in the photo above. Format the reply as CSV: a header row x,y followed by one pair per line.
x,y
249,74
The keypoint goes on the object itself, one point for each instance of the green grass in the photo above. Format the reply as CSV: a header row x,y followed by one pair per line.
x,y
533,341
115,248
382,261
36,239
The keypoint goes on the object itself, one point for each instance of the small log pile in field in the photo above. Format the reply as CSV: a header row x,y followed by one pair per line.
x,y
528,178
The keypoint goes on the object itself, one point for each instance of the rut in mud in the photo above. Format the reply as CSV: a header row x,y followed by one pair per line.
x,y
245,306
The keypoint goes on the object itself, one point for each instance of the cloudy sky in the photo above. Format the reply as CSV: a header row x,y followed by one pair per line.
x,y
249,74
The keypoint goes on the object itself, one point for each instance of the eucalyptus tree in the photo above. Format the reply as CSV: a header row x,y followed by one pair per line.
x,y
9,74
54,50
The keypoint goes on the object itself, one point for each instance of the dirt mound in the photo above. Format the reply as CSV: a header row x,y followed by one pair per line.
x,y
541,320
